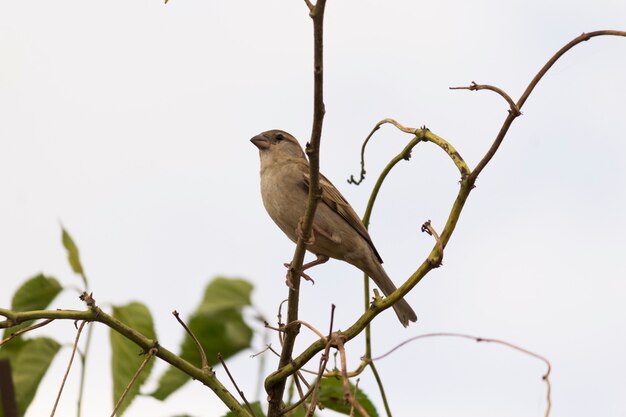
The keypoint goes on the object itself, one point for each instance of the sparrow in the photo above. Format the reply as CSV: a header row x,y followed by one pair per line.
x,y
337,230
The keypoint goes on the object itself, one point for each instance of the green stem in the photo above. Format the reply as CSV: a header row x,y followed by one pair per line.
x,y
381,388
95,314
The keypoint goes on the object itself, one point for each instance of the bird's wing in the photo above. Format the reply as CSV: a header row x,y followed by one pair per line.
x,y
333,199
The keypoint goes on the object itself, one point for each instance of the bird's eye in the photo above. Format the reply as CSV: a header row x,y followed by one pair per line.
x,y
279,137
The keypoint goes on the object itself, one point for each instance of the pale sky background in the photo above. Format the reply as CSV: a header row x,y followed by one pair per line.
x,y
129,122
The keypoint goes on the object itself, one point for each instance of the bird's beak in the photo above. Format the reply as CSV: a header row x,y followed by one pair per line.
x,y
260,142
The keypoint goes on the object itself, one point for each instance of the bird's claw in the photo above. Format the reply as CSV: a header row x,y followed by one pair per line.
x,y
311,239
302,274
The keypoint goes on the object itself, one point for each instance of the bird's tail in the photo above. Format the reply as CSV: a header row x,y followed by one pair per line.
x,y
403,310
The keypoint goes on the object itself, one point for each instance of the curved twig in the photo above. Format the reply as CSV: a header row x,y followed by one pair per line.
x,y
545,377
421,134
529,89
475,87
203,360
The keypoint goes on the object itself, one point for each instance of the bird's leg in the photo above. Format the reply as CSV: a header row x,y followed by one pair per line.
x,y
314,231
299,232
320,260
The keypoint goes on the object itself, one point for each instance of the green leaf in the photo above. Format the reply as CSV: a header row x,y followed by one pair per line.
x,y
331,396
226,293
298,412
256,406
35,294
126,357
219,326
29,364
72,254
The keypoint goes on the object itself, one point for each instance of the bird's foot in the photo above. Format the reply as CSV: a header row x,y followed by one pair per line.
x,y
320,260
302,274
311,239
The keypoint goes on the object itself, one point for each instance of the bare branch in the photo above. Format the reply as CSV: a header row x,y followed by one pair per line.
x,y
348,397
243,397
293,323
276,387
475,87
437,261
531,86
26,329
203,359
149,356
545,377
69,366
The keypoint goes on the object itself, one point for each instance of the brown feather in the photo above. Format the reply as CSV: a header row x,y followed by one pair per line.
x,y
333,199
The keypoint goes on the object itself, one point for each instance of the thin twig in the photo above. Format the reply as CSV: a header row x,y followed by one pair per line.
x,y
26,329
427,227
293,323
69,366
295,405
132,381
332,320
296,382
348,397
475,87
344,370
356,391
267,347
83,370
203,359
323,362
545,377
243,396
381,388
316,385
529,89
279,318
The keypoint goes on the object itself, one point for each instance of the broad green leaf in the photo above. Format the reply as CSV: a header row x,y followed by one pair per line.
x,y
219,326
226,293
256,406
331,396
72,254
29,365
35,294
126,357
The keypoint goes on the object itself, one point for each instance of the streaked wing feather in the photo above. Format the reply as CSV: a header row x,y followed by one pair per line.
x,y
332,198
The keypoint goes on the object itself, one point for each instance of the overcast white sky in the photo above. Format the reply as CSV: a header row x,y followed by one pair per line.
x,y
129,123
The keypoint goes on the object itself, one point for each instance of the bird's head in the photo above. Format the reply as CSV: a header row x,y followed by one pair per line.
x,y
277,144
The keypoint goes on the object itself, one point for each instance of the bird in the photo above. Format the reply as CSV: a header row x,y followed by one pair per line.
x,y
337,231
